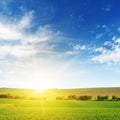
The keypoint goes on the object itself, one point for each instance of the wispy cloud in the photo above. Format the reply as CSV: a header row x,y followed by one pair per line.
x,y
16,31
111,55
25,20
76,49
100,50
118,29
24,54
17,51
98,36
107,8
29,43
102,30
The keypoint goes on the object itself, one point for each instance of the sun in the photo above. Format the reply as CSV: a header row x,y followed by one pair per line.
x,y
39,90
41,85
41,78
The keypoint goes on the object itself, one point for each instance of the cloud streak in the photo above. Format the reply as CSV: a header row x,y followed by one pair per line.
x,y
27,43
76,49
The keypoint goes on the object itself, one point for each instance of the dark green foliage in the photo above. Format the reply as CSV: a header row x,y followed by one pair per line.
x,y
72,97
115,98
60,98
6,96
102,98
85,97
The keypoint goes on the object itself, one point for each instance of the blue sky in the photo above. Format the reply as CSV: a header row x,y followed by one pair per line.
x,y
59,44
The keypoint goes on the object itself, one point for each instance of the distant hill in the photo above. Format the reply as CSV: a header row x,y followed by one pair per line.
x,y
62,92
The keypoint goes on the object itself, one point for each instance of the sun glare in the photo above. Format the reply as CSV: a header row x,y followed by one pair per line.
x,y
41,85
41,90
43,81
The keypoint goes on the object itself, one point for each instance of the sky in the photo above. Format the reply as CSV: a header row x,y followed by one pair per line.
x,y
59,43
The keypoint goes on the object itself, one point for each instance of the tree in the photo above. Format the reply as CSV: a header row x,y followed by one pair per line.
x,y
85,97
72,97
102,98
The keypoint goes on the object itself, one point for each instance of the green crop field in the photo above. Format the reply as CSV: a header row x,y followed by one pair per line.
x,y
52,109
12,109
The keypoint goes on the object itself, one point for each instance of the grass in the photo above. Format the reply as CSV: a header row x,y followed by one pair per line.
x,y
11,109
51,109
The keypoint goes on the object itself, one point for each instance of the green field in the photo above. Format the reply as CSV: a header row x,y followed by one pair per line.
x,y
12,109
52,109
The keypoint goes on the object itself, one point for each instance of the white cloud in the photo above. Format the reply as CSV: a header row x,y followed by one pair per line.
x,y
107,43
16,31
9,32
79,47
111,55
17,51
117,40
71,52
28,42
100,49
26,20
27,60
76,49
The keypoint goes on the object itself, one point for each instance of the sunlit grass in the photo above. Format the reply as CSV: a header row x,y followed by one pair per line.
x,y
58,110
32,107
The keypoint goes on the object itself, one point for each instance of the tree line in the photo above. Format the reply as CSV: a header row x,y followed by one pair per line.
x,y
20,97
70,97
86,97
